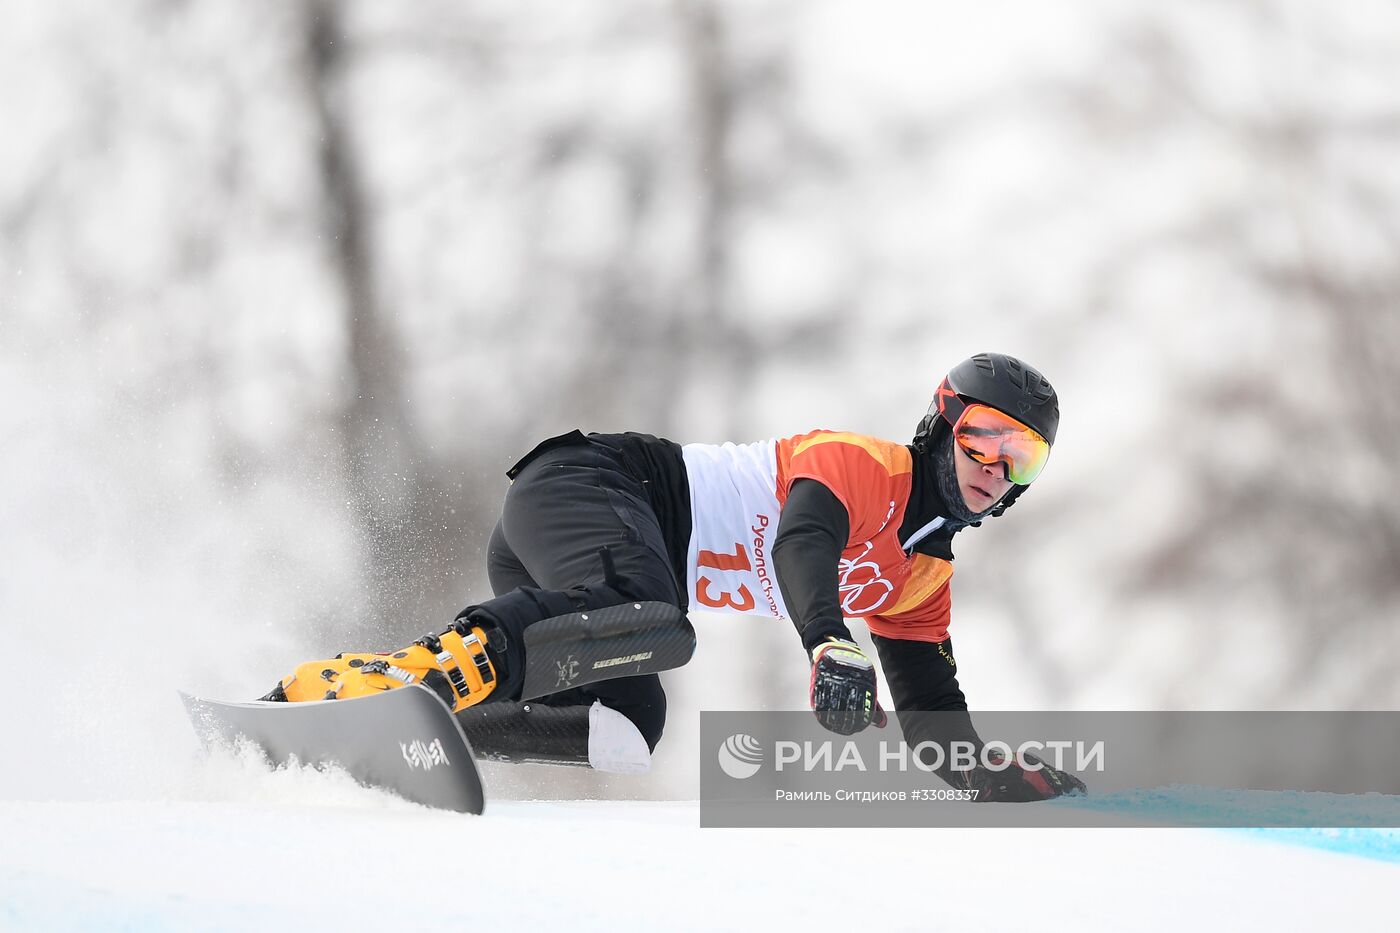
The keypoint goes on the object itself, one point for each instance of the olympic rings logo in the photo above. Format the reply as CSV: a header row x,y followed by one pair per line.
x,y
863,588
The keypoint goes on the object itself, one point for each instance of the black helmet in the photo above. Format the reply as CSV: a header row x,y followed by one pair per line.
x,y
1003,382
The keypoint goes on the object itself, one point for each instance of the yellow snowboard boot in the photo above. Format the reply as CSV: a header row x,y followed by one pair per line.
x,y
454,664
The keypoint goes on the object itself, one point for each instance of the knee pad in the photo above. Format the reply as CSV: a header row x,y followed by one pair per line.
x,y
622,624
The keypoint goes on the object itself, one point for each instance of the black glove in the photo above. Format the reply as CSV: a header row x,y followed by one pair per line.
x,y
1021,781
842,690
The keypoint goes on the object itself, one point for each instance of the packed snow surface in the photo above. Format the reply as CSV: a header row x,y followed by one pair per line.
x,y
238,846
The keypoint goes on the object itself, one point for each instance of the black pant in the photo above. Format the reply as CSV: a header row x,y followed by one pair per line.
x,y
568,503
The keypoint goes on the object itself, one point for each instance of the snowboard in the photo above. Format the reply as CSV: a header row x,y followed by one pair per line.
x,y
408,741
404,740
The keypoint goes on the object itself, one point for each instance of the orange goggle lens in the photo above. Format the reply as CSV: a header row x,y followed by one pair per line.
x,y
991,436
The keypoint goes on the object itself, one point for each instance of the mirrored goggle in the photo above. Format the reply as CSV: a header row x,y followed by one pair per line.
x,y
991,436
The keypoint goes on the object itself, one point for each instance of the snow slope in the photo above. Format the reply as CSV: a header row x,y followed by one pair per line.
x,y
242,847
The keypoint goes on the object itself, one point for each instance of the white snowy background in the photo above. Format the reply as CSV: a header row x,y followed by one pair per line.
x,y
285,286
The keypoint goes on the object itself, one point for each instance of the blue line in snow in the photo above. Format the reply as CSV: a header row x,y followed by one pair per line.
x,y
1380,844
1365,825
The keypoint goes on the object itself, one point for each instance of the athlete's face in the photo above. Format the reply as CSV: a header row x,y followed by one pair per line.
x,y
982,484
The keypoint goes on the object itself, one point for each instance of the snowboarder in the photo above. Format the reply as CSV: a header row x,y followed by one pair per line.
x,y
815,528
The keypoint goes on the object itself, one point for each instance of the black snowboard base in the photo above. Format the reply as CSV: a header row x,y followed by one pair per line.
x,y
404,740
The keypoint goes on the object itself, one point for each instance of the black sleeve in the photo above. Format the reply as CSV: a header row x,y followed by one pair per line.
x,y
923,680
812,532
